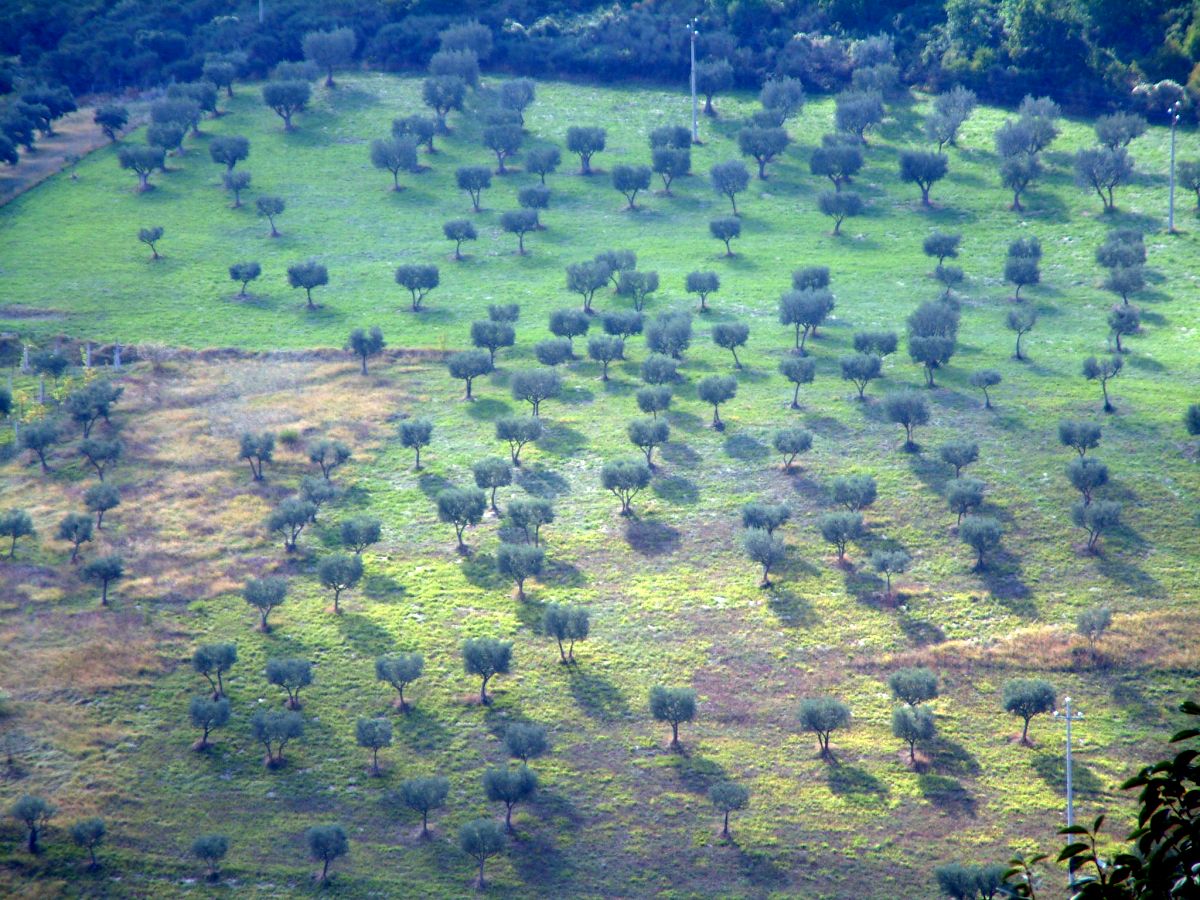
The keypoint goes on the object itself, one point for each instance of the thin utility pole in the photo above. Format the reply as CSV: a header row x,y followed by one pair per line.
x,y
695,110
1069,717
1173,112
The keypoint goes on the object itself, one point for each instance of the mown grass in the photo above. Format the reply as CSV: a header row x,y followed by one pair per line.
x,y
672,598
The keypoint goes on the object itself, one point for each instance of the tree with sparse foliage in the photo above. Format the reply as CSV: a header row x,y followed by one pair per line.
x,y
1103,169
888,563
912,726
213,661
729,179
339,572
525,741
638,286
395,154
519,222
805,310
34,813
766,550
373,735
400,670
461,507
862,369
481,839
89,834
586,278
791,442
474,180
1092,623
14,525
104,570
822,716
670,163
291,674
270,207
75,529
839,206
264,594
727,797
1103,370
908,409
366,343
1096,518
443,94
730,336
1017,173
715,390
982,534
207,714
798,370
950,112
326,843
964,496
286,98
586,141
150,237
604,349
566,623
486,658
625,479
1028,697
210,849
518,431
839,528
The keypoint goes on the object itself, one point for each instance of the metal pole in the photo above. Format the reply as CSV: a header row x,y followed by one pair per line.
x,y
695,113
260,12
1069,716
1174,113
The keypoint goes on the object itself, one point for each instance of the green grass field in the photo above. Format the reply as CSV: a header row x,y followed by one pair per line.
x,y
672,597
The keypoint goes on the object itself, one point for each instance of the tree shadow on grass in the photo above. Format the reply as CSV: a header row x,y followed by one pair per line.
x,y
949,795
418,729
431,484
652,538
792,610
696,773
677,489
1002,577
564,574
679,454
951,758
1052,769
746,448
488,409
365,635
851,781
383,587
685,421
480,570
921,633
542,482
598,697
536,858
560,440
759,869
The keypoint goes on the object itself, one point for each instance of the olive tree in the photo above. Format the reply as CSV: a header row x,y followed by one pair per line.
x,y
486,658
569,324
469,365
839,206
950,112
727,797
839,528
1103,169
510,787
585,278
862,369
326,843
914,685
89,834
638,286
75,529
1026,698
104,570
766,550
213,661
625,479
373,735
459,230
535,197
474,180
798,370
703,284
111,118
366,343
415,434
791,442
269,208
908,409
329,49
985,379
339,572
1096,518
142,161
1092,623
34,813
923,170
888,563
1087,475
730,336
275,729
912,726
670,163
418,280
481,839
715,390
604,349
805,310
245,272
291,674
150,237
654,399
535,387
286,98
461,507
519,222
210,849
822,716
855,492
423,795
206,714
586,141
308,275
726,229
856,112
518,431
395,154
566,623
264,594
443,94
492,335
1124,321
964,496
543,159
959,453
729,179
982,534
836,159
400,670
763,144
629,181
1079,436
14,525
674,706
646,434
712,77
1017,173
228,150
1103,370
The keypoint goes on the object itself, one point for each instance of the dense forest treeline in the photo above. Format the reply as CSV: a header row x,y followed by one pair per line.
x,y
1090,55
